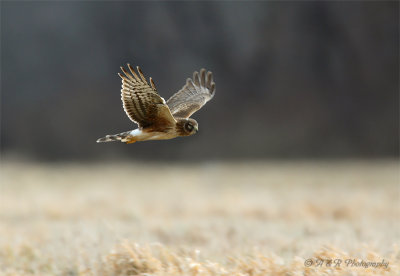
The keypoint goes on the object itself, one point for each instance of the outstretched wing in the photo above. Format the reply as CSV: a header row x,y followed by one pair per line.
x,y
142,103
193,95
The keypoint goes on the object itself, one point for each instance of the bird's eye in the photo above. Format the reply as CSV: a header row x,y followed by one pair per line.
x,y
189,127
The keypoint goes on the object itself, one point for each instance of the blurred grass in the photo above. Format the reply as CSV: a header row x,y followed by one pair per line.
x,y
243,218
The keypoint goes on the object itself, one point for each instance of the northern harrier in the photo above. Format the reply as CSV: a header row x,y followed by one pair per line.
x,y
157,119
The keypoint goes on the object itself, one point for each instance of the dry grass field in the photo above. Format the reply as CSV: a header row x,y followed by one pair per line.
x,y
240,218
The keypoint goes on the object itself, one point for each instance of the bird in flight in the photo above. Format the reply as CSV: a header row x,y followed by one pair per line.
x,y
157,119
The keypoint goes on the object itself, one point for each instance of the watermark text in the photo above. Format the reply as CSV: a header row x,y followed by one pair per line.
x,y
317,262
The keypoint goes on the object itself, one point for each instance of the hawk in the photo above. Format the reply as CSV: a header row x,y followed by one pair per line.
x,y
157,119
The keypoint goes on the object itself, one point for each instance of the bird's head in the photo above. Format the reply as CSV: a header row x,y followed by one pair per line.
x,y
187,127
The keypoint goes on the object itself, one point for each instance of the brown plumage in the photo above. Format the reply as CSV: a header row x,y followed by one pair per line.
x,y
157,119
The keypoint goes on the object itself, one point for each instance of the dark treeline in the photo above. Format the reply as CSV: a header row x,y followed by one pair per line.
x,y
294,79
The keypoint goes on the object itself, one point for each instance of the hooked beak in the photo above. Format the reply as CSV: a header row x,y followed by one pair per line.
x,y
196,129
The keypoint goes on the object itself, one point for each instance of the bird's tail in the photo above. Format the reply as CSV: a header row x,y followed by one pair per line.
x,y
123,137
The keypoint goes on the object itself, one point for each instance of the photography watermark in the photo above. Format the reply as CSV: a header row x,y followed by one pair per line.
x,y
317,262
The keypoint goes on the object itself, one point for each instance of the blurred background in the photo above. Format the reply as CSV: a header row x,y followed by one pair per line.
x,y
294,79
306,112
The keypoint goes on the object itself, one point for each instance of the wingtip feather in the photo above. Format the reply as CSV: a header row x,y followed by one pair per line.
x,y
133,72
212,88
141,74
152,83
129,76
196,78
203,77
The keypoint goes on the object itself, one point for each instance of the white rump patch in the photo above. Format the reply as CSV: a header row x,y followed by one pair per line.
x,y
136,132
